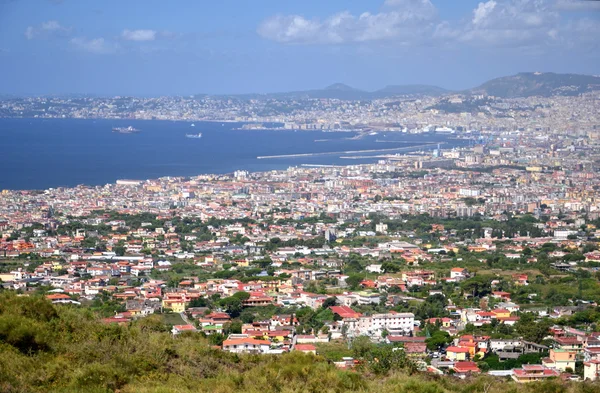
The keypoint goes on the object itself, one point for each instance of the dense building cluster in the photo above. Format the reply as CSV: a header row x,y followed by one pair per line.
x,y
480,258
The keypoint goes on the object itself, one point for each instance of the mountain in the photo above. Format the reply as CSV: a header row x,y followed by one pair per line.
x,y
342,91
527,84
340,87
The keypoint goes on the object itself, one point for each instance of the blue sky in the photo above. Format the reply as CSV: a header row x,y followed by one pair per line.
x,y
160,47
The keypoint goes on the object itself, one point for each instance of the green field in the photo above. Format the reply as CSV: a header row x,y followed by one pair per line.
x,y
172,319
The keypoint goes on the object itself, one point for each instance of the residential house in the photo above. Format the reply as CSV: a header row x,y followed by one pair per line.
x,y
463,369
240,343
534,372
178,329
457,353
560,359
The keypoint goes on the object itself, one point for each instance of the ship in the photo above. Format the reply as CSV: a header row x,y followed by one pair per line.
x,y
194,136
125,130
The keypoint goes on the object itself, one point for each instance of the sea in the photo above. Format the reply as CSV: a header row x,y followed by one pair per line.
x,y
49,153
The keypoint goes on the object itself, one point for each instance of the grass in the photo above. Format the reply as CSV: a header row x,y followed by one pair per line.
x,y
173,319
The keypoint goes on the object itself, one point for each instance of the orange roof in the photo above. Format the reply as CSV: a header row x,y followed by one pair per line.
x,y
57,296
240,341
457,349
466,367
305,347
184,327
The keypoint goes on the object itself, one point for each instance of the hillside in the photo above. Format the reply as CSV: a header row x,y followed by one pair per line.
x,y
47,348
342,91
525,84
544,84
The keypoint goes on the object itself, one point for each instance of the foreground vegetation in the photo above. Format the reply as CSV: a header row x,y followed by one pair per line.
x,y
64,349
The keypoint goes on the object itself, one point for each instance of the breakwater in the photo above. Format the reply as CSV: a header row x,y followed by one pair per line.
x,y
345,152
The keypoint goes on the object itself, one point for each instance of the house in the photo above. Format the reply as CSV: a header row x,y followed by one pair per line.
x,y
458,273
457,353
240,343
504,296
500,313
560,359
345,312
591,369
415,349
510,306
213,323
177,329
462,369
533,372
444,322
177,305
60,298
306,348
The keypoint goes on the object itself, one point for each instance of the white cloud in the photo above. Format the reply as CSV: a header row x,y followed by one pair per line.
x,y
483,10
577,5
47,29
95,45
509,23
401,20
492,23
138,35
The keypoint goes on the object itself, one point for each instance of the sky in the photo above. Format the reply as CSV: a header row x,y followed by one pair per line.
x,y
182,47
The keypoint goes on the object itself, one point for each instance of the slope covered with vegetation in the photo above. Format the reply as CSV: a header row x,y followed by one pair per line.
x,y
44,348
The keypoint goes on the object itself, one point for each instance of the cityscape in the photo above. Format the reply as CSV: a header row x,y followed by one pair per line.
x,y
448,240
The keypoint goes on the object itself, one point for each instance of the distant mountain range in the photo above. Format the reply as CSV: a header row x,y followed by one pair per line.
x,y
527,84
341,91
524,84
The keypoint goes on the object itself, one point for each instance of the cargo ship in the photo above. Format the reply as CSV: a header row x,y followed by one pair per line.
x,y
125,130
194,136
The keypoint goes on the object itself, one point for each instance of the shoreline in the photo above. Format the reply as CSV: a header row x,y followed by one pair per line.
x,y
343,152
253,167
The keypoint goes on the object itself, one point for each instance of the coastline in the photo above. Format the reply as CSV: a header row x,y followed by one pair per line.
x,y
75,152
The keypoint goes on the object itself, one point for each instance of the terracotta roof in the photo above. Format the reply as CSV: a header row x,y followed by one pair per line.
x,y
463,367
58,296
184,327
345,311
242,341
305,347
457,349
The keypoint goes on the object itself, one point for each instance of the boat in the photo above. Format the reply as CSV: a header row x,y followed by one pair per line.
x,y
125,130
193,125
194,136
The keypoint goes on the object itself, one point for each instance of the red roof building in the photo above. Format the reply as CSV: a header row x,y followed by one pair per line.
x,y
345,312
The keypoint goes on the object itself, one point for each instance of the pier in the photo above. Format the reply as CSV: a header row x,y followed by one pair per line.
x,y
342,152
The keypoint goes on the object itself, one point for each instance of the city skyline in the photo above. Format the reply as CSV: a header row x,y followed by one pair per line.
x,y
234,47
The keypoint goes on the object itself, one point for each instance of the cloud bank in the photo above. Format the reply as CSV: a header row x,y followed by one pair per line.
x,y
515,23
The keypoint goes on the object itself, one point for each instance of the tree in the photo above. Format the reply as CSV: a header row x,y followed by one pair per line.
x,y
233,306
354,280
199,302
241,295
437,340
119,250
234,327
530,330
389,267
478,285
330,301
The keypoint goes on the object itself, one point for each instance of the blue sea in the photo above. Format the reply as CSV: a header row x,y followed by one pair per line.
x,y
46,153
